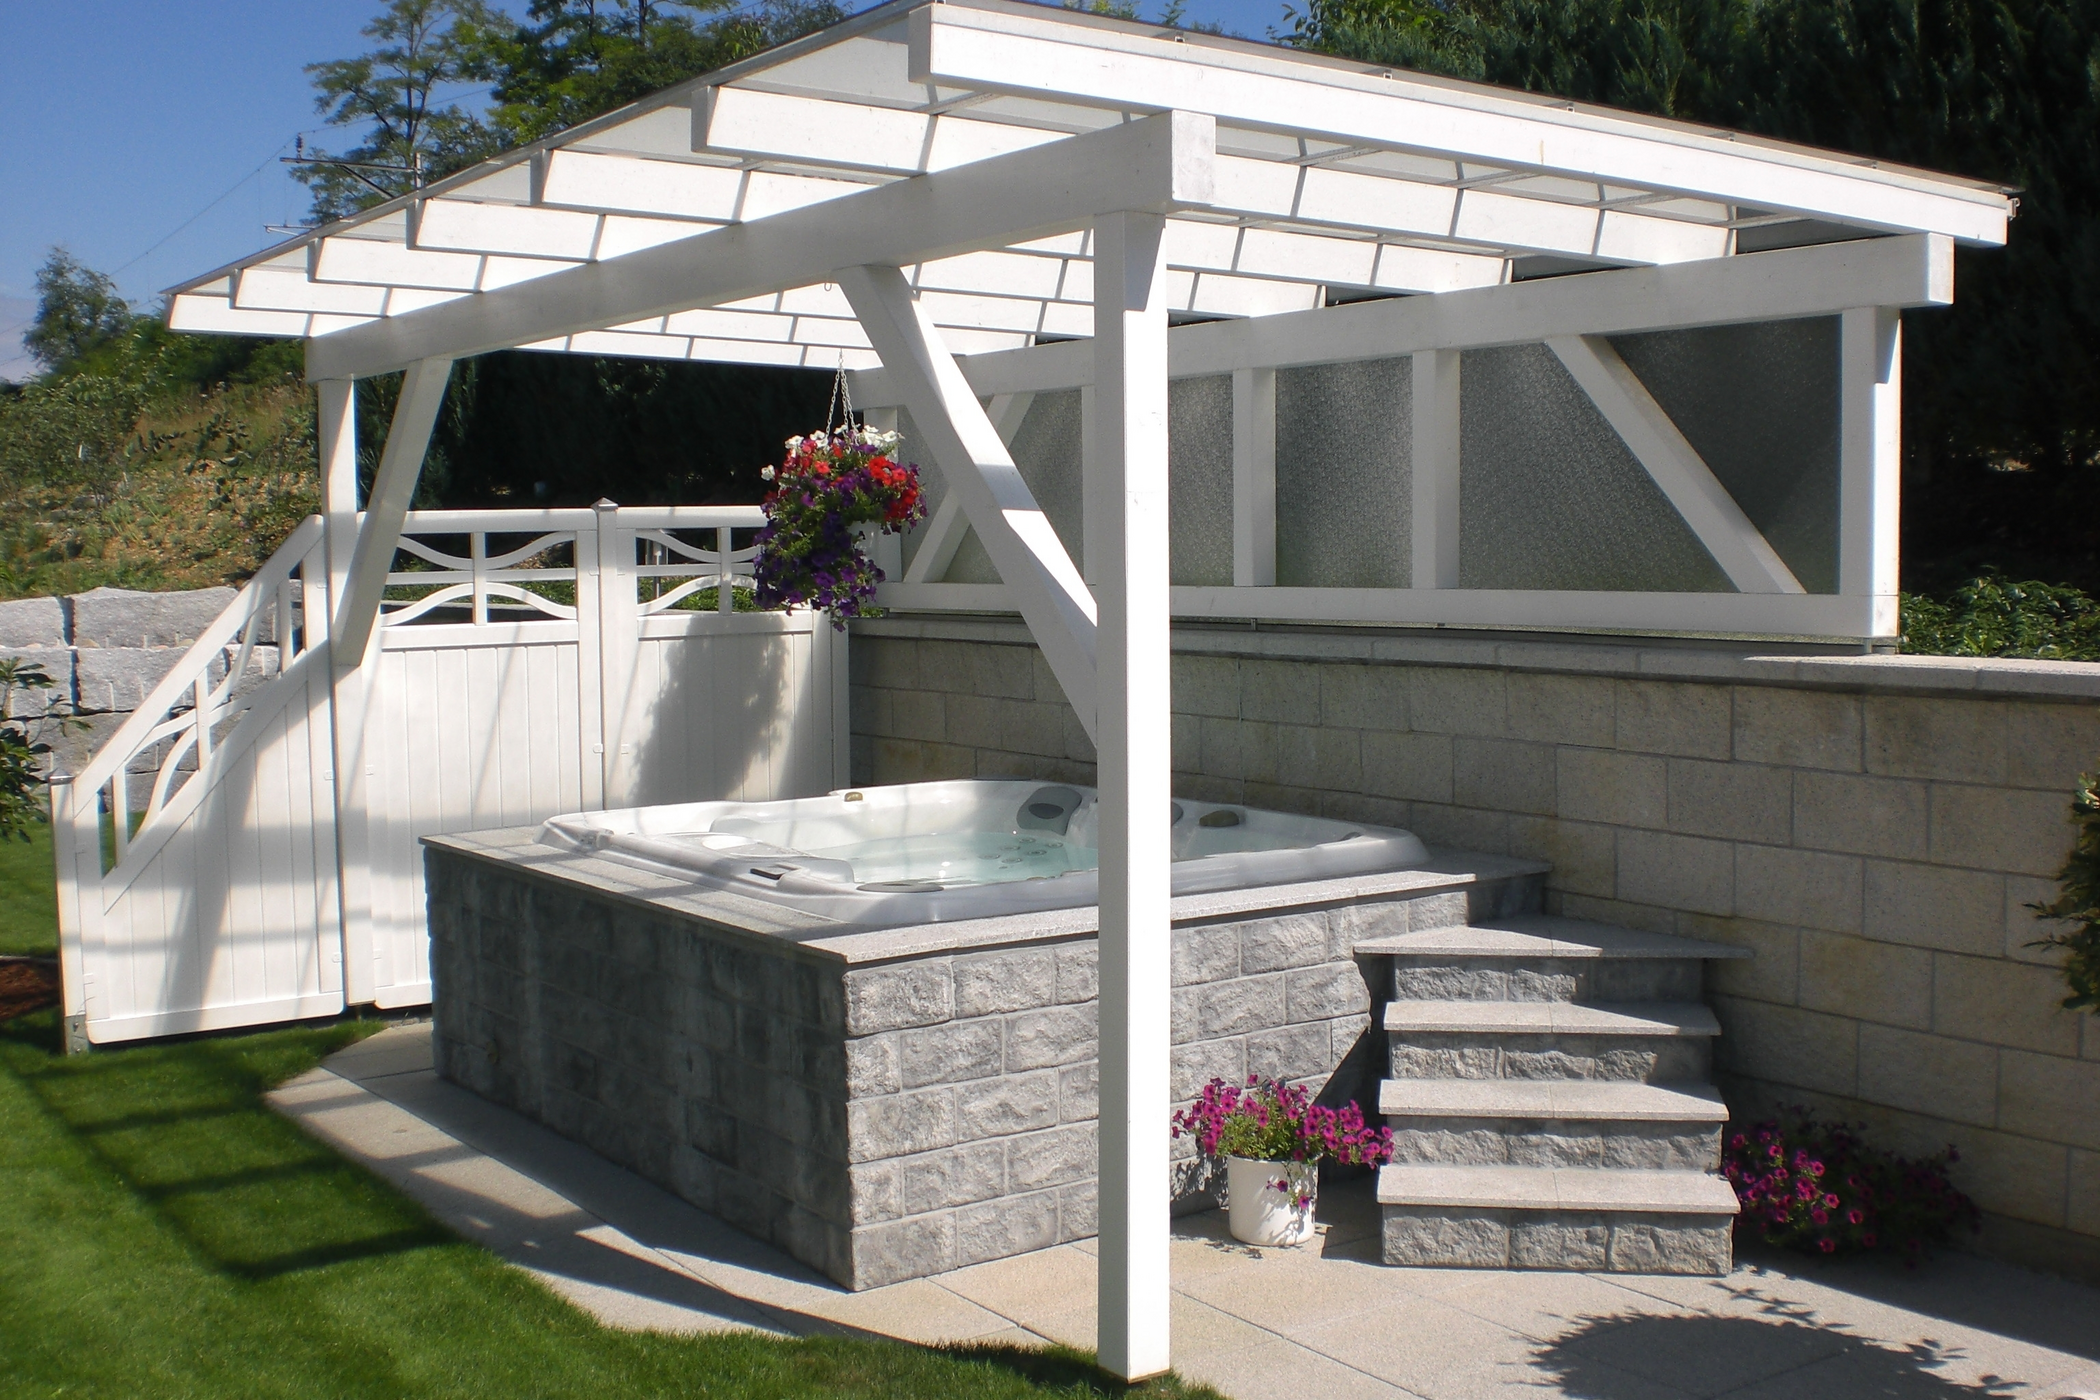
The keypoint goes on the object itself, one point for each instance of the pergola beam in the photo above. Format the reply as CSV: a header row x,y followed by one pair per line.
x,y
1914,270
1161,163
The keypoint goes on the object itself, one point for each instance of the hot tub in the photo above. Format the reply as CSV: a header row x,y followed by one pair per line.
x,y
920,853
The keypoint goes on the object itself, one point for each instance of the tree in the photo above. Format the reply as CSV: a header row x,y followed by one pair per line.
x,y
2002,400
392,92
575,59
78,310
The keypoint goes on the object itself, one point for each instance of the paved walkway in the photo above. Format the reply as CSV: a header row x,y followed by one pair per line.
x,y
1324,1321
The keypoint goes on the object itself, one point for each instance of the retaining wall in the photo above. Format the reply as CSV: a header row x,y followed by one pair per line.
x,y
1871,826
106,649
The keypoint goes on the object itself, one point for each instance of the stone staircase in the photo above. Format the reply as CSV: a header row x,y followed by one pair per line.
x,y
1549,1099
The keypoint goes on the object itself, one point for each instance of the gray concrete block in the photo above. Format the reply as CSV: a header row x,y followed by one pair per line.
x,y
1292,1052
1240,1005
958,1177
1503,775
950,1054
25,702
1296,940
902,1249
1058,1035
988,983
1079,1093
1006,1227
119,679
1015,1103
122,617
898,995
897,1125
32,622
1321,993
1078,972
1208,954
1051,1158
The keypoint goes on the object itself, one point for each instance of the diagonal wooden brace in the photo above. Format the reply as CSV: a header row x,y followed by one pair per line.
x,y
982,478
393,487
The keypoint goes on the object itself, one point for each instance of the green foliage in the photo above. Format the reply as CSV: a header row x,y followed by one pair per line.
x,y
574,59
392,93
1992,616
168,1235
2002,421
2079,902
71,430
23,746
77,311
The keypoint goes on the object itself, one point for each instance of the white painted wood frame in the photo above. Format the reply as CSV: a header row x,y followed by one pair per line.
x,y
980,473
1134,743
1870,457
1433,413
1253,478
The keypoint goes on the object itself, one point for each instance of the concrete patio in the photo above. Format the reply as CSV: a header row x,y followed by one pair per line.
x,y
1327,1320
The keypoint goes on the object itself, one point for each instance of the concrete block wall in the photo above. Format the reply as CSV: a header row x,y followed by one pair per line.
x,y
881,1121
1873,827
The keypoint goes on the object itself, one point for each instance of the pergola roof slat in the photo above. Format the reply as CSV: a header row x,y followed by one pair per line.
x,y
1329,181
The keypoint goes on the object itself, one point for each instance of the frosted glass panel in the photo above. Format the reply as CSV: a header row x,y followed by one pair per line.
x,y
1760,404
1549,497
1342,475
1047,452
1199,480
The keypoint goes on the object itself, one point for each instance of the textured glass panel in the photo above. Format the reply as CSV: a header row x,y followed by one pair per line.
x,y
1343,443
1549,497
1199,480
1047,452
1760,404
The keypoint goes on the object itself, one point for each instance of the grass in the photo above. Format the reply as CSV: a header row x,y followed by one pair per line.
x,y
168,1235
28,897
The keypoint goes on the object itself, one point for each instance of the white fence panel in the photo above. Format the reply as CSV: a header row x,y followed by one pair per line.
x,y
220,908
507,685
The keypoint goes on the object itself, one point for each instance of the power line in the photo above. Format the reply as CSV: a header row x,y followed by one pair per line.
x,y
231,190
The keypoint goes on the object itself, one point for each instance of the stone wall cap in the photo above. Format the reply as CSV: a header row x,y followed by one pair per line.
x,y
32,622
1819,666
518,848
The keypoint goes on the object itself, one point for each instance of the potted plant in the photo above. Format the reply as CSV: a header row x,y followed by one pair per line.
x,y
1273,1137
831,490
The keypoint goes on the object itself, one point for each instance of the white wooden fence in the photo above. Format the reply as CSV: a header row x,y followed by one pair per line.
x,y
528,663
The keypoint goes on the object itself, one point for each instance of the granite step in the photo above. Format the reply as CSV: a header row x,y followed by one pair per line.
x,y
1504,1217
1545,957
1650,1042
1613,1125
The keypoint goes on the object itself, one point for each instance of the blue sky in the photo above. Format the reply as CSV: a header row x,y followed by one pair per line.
x,y
143,135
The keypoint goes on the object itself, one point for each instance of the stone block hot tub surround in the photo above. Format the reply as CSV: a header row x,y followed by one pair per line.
x,y
881,1104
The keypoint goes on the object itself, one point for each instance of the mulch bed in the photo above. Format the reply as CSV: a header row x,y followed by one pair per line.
x,y
26,985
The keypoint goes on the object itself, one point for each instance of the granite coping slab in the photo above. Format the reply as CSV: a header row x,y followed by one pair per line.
x,y
518,850
1547,936
1812,665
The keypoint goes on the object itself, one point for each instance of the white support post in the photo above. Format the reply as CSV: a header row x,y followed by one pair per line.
x,y
1743,553
1052,598
1093,533
1128,454
1253,478
350,687
1870,460
1434,411
393,487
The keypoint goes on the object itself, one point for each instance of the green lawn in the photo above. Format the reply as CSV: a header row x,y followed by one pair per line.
x,y
28,903
168,1236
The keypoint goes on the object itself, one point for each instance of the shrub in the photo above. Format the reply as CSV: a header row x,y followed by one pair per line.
x,y
2079,902
1817,1187
1269,1121
1992,616
22,747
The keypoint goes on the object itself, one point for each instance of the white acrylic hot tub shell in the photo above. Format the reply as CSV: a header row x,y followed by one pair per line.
x,y
763,849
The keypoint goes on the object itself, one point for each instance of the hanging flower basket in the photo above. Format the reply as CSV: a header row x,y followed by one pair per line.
x,y
830,491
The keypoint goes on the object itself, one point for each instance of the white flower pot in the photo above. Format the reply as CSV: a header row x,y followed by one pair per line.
x,y
1257,1212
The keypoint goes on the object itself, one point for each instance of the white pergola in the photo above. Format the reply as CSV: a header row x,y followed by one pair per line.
x,y
980,200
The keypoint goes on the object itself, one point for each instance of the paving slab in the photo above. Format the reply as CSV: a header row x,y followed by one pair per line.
x,y
1327,1319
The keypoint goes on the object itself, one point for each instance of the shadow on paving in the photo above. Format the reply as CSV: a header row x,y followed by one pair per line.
x,y
1785,1352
